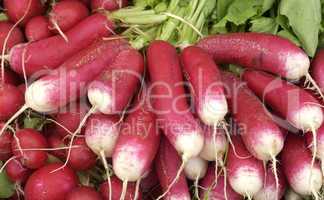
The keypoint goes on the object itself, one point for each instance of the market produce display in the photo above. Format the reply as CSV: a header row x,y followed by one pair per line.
x,y
161,99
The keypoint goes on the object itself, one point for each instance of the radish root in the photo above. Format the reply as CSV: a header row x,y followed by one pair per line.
x,y
225,184
61,33
6,163
196,187
124,191
275,173
312,85
137,187
20,111
104,162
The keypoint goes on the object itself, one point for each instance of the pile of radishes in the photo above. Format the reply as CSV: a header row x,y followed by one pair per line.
x,y
87,115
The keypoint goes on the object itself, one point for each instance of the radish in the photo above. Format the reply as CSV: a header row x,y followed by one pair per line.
x,y
42,55
167,164
270,190
66,14
112,91
245,173
5,145
169,100
222,190
10,78
204,77
81,157
11,99
292,195
55,141
260,51
196,168
117,187
320,144
25,147
37,28
317,69
48,184
17,172
83,193
304,177
109,5
23,10
15,37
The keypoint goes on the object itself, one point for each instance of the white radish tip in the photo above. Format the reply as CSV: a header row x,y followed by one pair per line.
x,y
246,181
269,144
127,163
308,118
300,180
37,96
101,99
292,195
210,150
189,144
213,111
196,167
297,65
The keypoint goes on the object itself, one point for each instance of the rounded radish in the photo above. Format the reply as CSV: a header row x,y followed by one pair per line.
x,y
83,193
261,51
195,168
37,28
23,10
17,172
11,99
15,37
245,173
206,85
5,145
25,148
47,183
109,5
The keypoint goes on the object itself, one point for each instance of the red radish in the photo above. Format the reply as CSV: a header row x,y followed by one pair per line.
x,y
319,142
54,142
10,77
69,118
15,37
261,136
47,183
5,145
81,157
167,164
22,88
149,181
83,193
138,142
220,191
109,5
260,51
269,190
206,85
11,99
195,168
37,28
245,173
66,14
304,177
43,54
23,10
112,91
16,171
317,69
292,195
169,100
25,148
117,187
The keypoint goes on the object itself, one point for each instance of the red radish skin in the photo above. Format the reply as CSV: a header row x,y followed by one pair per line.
x,y
48,184
112,91
138,142
261,136
43,54
83,193
57,89
81,157
259,51
245,173
26,9
320,144
207,89
109,5
17,172
149,181
317,69
5,145
167,164
296,161
217,192
10,78
55,141
15,37
215,144
30,139
66,14
11,99
196,168
296,105
37,28
117,187
169,100
269,190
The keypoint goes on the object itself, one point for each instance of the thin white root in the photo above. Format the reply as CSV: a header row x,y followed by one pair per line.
x,y
216,154
21,110
6,163
196,187
60,125
105,164
314,152
51,149
124,191
137,187
61,33
275,173
316,88
225,184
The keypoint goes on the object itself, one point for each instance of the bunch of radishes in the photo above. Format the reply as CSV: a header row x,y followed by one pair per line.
x,y
86,114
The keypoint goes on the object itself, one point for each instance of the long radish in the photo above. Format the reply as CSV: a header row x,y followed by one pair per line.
x,y
206,85
245,173
304,177
37,28
260,51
